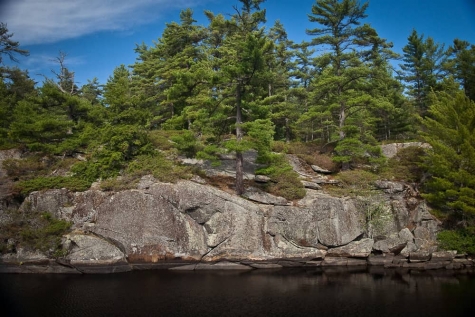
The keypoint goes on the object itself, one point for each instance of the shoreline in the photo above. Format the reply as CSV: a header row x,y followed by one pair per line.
x,y
51,266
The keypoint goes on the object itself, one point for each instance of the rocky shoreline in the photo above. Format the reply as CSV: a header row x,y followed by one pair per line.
x,y
444,261
193,226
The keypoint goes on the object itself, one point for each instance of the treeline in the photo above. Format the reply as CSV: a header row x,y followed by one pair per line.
x,y
240,83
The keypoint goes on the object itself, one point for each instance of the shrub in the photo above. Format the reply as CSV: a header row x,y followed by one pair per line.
x,y
321,160
159,166
406,165
462,240
34,230
354,183
286,182
40,183
16,168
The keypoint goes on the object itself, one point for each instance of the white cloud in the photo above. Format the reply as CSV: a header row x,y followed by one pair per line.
x,y
47,21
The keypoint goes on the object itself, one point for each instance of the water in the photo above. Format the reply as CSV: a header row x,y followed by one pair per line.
x,y
288,292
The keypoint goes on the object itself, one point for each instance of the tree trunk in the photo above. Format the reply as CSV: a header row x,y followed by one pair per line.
x,y
341,121
239,134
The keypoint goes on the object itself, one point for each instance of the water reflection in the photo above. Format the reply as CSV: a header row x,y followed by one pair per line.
x,y
288,292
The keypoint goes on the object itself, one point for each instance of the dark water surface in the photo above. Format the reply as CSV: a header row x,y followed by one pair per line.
x,y
288,292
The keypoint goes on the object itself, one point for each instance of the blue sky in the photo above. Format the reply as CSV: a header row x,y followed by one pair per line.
x,y
99,35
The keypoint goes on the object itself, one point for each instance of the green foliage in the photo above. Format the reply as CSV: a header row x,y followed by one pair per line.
x,y
34,230
260,134
354,183
377,216
450,130
423,65
161,167
462,240
186,143
8,46
25,187
285,182
406,165
118,145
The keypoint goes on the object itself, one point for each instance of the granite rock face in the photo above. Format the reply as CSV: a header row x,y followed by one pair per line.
x,y
355,249
188,221
87,249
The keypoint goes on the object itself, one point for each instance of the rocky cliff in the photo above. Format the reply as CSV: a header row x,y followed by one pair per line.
x,y
191,225
188,225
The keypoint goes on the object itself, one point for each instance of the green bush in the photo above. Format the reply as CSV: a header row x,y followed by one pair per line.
x,y
285,182
462,240
34,230
406,165
40,183
354,183
159,166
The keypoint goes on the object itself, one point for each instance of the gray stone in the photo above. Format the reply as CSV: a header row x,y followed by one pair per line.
x,y
338,220
262,197
415,265
406,235
198,179
381,260
88,249
390,187
436,265
356,262
188,267
442,256
390,150
190,222
262,179
422,233
320,170
392,244
311,185
265,265
313,263
419,256
225,265
335,261
355,249
410,247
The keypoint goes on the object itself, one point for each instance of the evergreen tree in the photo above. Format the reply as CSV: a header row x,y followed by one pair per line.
x,y
8,46
462,65
423,68
166,72
450,130
280,97
243,68
346,70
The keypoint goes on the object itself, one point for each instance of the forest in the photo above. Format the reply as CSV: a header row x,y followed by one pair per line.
x,y
239,83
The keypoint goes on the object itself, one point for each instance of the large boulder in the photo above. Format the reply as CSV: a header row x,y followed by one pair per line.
x,y
393,244
390,150
355,249
88,249
338,220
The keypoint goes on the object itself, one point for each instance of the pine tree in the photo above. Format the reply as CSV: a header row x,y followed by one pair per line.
x,y
450,130
166,73
8,46
423,68
461,65
346,70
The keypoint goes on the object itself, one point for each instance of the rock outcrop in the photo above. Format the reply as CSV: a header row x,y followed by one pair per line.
x,y
202,227
390,150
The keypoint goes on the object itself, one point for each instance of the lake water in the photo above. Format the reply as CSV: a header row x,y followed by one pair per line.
x,y
287,292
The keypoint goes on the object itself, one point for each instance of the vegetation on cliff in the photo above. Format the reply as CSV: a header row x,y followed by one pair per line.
x,y
238,84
